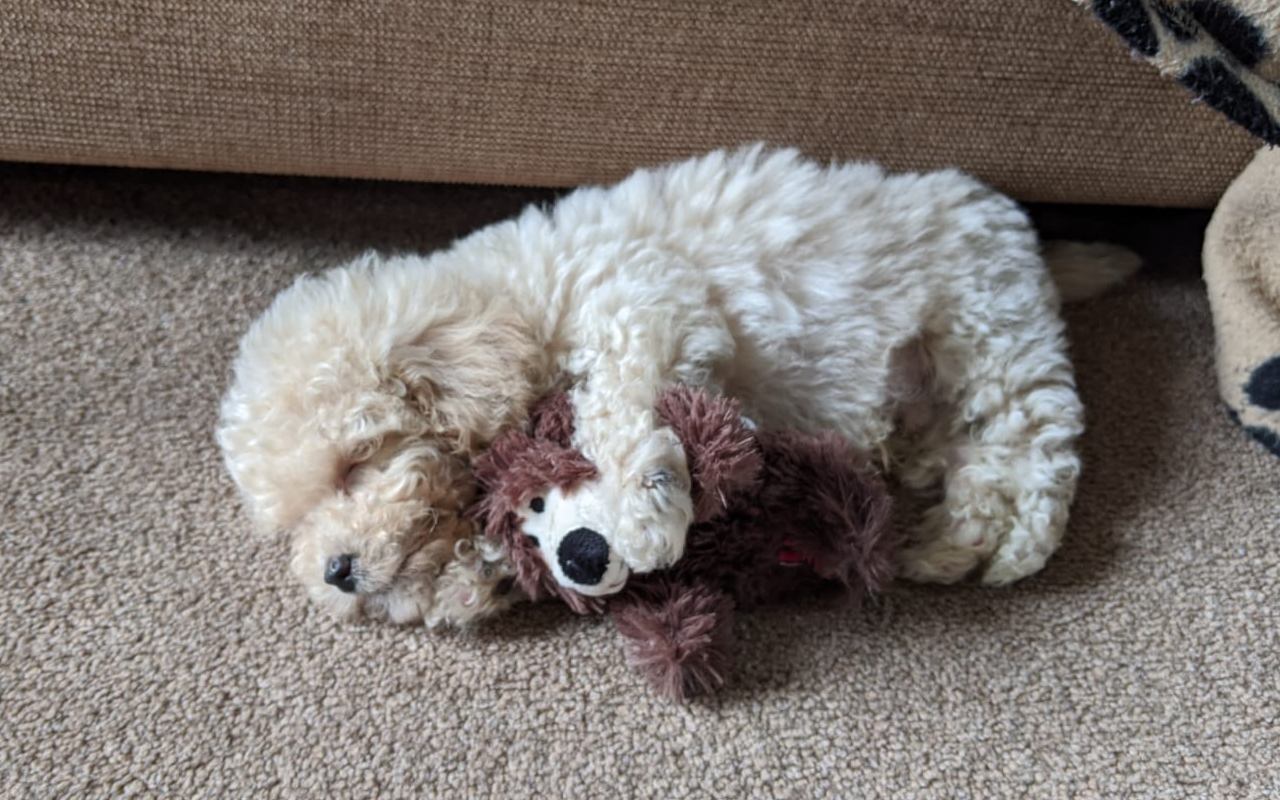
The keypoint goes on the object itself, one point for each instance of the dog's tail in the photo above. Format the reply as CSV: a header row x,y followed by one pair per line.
x,y
1086,269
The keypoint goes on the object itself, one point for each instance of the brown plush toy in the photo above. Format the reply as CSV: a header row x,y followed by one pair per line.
x,y
777,514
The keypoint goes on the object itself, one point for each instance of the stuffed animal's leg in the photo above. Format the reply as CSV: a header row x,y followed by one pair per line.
x,y
678,635
832,508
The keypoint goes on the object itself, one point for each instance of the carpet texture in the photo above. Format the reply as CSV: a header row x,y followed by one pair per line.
x,y
149,647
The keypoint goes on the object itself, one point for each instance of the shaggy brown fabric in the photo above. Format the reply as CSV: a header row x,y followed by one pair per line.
x,y
149,647
720,450
817,490
779,515
678,635
518,465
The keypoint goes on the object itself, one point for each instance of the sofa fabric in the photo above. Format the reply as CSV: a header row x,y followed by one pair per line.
x,y
1225,52
1033,97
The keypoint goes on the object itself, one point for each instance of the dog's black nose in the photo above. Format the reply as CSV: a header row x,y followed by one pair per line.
x,y
338,573
584,556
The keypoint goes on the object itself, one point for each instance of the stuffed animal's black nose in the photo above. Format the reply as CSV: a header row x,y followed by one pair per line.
x,y
583,556
338,573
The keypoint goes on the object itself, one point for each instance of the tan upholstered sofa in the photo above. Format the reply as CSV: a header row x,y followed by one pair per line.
x,y
1033,96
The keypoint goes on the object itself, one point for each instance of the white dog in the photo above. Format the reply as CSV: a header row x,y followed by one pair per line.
x,y
911,313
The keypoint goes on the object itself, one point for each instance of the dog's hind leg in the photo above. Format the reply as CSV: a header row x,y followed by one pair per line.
x,y
1009,461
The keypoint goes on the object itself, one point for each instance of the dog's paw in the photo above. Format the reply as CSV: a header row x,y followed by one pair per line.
x,y
998,548
655,505
947,549
658,517
938,562
478,583
1020,554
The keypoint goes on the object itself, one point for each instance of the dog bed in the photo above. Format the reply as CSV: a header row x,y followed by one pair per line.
x,y
1242,271
1226,52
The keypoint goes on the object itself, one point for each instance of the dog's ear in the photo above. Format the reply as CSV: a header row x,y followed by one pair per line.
x,y
471,375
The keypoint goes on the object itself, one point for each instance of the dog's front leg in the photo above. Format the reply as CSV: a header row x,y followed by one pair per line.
x,y
643,486
621,368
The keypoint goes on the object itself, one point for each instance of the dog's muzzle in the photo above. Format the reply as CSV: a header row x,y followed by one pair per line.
x,y
337,573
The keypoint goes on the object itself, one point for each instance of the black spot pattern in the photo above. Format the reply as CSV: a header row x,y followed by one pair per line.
x,y
1267,438
1263,388
1176,19
1224,77
1213,82
1130,20
1264,436
1231,29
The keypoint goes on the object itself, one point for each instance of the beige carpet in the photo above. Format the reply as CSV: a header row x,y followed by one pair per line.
x,y
149,647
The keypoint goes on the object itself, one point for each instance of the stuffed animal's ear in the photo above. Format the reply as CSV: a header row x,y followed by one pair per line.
x,y
549,432
719,445
470,374
531,573
552,419
496,470
490,466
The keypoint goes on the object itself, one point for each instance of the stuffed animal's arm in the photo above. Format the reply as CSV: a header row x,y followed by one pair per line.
x,y
678,635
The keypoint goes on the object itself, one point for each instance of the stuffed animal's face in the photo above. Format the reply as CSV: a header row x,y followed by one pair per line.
x,y
564,524
542,496
529,477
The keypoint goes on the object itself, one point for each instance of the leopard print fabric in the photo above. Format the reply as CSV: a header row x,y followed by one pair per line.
x,y
1223,51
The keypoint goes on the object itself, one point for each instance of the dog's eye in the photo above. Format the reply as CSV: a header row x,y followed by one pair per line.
x,y
538,505
533,540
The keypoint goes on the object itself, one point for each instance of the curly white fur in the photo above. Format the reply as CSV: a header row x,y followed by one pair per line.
x,y
912,313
